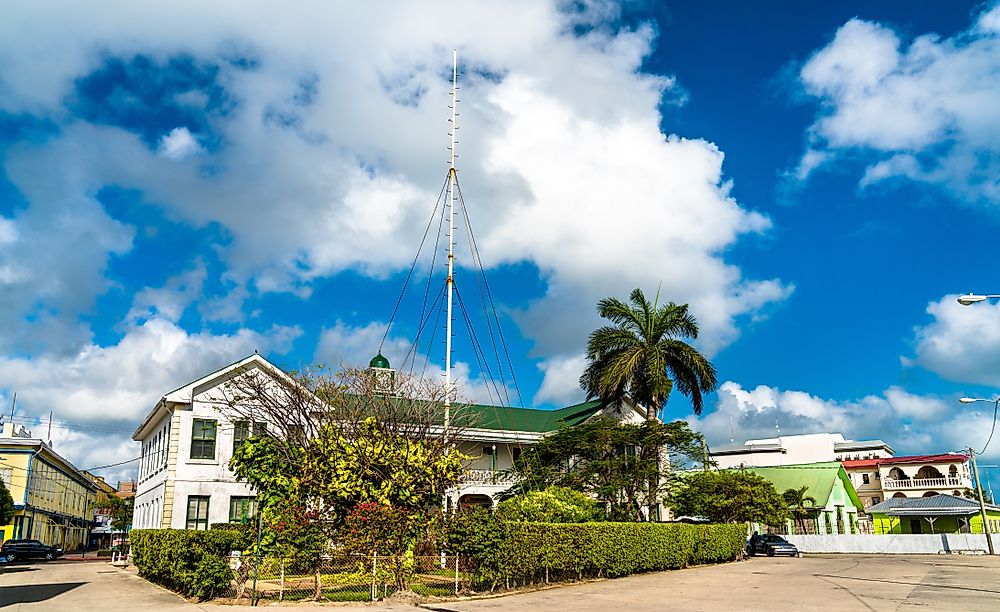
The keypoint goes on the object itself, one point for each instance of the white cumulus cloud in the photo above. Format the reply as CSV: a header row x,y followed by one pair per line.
x,y
332,153
178,144
926,110
105,391
961,343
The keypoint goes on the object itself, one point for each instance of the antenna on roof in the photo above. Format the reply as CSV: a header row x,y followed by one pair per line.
x,y
451,242
777,427
12,404
732,430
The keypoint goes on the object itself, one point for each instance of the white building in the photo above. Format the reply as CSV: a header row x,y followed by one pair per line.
x,y
187,442
794,450
184,477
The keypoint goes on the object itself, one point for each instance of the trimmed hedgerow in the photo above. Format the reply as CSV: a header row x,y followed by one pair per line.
x,y
532,552
192,563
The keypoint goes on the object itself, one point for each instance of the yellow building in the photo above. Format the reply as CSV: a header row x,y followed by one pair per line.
x,y
53,501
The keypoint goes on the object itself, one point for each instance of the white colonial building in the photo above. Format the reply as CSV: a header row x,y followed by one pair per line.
x,y
795,450
187,442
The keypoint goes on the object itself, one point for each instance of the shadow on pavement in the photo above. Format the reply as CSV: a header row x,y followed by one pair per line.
x,y
14,569
32,593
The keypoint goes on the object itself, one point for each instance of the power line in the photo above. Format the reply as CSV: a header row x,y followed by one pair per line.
x,y
996,406
110,465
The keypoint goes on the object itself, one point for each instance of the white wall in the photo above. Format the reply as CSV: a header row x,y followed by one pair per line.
x,y
153,470
809,448
893,543
205,477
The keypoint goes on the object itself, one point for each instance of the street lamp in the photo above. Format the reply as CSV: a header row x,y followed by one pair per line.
x,y
975,469
971,298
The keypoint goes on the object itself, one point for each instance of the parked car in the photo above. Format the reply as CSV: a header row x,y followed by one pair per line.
x,y
15,550
771,545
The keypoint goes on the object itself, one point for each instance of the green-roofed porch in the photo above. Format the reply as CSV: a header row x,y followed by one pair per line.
x,y
837,503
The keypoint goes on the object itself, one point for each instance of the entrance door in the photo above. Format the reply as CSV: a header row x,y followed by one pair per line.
x,y
915,526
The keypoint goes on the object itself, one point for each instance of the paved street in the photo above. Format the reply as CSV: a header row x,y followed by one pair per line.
x,y
79,585
830,582
816,582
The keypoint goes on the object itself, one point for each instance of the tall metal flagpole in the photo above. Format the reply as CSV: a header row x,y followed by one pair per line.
x,y
451,242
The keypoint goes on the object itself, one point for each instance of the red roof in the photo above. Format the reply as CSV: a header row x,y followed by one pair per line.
x,y
945,458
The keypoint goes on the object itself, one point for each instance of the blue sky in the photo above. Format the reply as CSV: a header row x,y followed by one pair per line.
x,y
181,185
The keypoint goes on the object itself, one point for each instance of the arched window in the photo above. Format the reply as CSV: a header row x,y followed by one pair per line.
x,y
930,494
484,501
898,495
929,471
897,474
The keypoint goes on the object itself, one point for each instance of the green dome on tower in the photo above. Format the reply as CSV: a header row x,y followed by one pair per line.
x,y
378,361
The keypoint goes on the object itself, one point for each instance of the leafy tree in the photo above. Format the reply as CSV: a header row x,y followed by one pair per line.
x,y
729,496
6,504
609,460
800,504
336,443
974,494
551,505
643,356
120,510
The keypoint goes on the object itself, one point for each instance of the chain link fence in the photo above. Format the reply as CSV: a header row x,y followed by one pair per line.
x,y
345,578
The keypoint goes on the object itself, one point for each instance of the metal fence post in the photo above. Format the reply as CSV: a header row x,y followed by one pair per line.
x,y
456,574
281,587
374,562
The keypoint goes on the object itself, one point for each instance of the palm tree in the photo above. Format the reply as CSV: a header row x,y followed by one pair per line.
x,y
642,356
797,500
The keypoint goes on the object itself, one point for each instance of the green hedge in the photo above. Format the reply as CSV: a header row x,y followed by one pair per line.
x,y
192,563
530,552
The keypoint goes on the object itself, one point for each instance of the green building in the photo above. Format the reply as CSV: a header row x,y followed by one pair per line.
x,y
934,514
837,504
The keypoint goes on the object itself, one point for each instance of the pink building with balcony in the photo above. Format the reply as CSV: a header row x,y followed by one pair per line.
x,y
884,478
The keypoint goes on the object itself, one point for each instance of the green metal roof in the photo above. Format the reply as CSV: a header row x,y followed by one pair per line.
x,y
507,418
820,479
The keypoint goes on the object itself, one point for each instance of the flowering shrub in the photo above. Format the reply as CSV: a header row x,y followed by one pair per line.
x,y
372,528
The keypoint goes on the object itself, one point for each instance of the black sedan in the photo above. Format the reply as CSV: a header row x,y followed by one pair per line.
x,y
771,545
16,550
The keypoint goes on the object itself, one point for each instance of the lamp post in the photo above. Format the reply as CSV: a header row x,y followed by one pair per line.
x,y
975,471
971,298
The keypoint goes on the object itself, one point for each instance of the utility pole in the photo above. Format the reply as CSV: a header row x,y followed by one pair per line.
x,y
982,504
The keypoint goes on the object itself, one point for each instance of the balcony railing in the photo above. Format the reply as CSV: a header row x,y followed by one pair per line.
x,y
923,483
488,477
